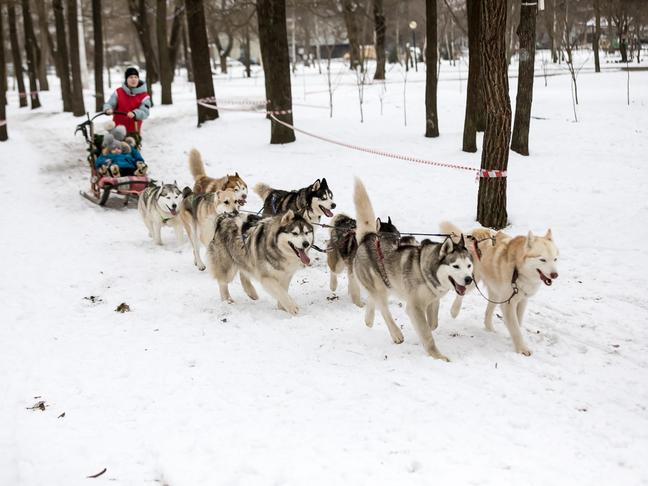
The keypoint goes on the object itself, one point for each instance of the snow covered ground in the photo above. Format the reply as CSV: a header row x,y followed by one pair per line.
x,y
185,390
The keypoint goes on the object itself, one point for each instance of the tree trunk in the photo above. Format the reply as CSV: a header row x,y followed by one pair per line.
x,y
491,200
62,58
271,15
166,72
246,52
3,82
83,58
15,52
380,28
4,85
185,48
597,35
200,59
223,53
30,48
78,108
526,33
176,36
473,107
349,14
43,83
431,115
98,54
139,17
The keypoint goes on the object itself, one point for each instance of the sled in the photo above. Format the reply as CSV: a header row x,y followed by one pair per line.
x,y
102,187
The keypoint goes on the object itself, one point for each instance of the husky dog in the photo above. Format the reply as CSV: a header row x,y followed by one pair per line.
x,y
418,274
198,215
204,183
512,269
270,250
342,248
160,206
313,201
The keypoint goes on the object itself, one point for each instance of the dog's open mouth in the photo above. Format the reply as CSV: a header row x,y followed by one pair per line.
x,y
547,281
241,202
460,289
301,254
327,212
173,211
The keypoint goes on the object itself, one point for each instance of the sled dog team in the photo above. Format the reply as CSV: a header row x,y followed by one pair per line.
x,y
270,248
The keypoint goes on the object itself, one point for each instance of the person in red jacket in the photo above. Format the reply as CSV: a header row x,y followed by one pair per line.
x,y
133,99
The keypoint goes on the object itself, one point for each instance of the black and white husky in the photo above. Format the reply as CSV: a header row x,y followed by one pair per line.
x,y
313,201
160,206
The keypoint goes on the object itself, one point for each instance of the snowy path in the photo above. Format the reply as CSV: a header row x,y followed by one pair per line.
x,y
185,390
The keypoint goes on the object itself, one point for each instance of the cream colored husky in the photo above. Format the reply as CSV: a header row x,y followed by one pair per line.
x,y
512,269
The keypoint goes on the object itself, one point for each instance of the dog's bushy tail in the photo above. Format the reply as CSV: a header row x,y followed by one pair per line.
x,y
365,216
450,228
263,190
196,166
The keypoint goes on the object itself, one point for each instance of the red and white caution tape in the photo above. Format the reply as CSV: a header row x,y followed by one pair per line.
x,y
479,172
485,173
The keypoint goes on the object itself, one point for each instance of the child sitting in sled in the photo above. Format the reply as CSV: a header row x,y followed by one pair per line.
x,y
119,155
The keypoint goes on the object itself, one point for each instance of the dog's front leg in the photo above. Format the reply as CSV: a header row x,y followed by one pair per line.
x,y
275,289
456,306
248,287
521,307
178,234
157,233
488,315
510,319
417,316
432,314
370,311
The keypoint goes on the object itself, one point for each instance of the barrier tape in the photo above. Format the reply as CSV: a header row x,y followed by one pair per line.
x,y
479,173
22,95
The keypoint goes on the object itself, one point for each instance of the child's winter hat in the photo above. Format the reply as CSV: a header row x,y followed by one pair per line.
x,y
130,71
115,137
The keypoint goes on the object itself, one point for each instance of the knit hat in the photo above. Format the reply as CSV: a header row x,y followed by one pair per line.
x,y
131,70
115,137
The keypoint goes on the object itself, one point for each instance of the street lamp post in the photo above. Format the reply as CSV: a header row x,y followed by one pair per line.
x,y
412,26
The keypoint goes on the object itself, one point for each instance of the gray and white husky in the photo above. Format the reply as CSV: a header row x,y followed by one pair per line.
x,y
312,201
268,250
418,274
160,206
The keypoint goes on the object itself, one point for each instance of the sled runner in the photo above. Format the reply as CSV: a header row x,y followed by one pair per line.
x,y
101,186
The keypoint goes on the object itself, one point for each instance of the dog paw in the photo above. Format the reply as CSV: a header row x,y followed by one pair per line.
x,y
489,326
359,303
524,351
201,266
397,337
441,357
292,309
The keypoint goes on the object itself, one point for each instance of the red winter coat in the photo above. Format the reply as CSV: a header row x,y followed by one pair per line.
x,y
127,99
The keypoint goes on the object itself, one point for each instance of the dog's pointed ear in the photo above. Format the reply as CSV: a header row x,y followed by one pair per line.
x,y
378,223
324,183
462,242
549,235
186,192
236,174
287,217
530,239
316,185
175,183
389,219
446,247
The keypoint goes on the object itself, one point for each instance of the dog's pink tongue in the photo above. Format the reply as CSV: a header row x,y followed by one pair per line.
x,y
460,289
303,257
327,212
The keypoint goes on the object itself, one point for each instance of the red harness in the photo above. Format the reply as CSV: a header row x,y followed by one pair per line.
x,y
126,103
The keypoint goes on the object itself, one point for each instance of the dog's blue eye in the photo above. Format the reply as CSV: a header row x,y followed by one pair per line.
x,y
543,260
